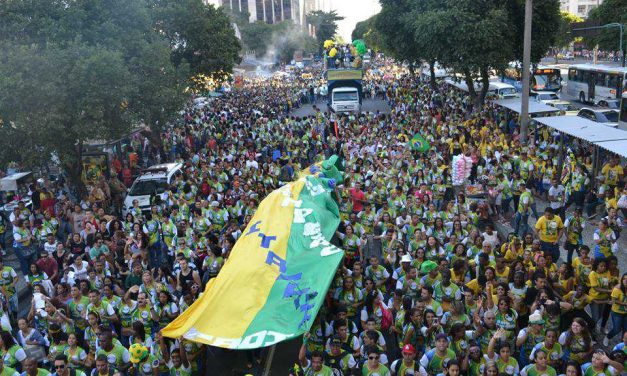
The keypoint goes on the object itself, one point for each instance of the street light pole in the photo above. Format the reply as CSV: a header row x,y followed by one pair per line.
x,y
524,108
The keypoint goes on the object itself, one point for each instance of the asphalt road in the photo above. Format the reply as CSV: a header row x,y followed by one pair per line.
x,y
368,105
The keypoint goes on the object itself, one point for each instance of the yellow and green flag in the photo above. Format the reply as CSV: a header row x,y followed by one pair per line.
x,y
278,273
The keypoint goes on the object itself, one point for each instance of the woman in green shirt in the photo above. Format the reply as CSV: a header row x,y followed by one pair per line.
x,y
540,366
12,353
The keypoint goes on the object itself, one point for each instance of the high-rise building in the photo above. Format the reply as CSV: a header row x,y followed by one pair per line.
x,y
579,7
273,11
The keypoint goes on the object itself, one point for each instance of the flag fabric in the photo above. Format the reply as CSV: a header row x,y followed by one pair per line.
x,y
419,143
278,273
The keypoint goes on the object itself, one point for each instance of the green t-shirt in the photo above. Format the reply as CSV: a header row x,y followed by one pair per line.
x,y
145,367
8,371
77,311
434,363
6,280
531,370
380,371
180,371
118,356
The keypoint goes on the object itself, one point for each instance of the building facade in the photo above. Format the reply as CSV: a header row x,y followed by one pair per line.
x,y
579,7
274,11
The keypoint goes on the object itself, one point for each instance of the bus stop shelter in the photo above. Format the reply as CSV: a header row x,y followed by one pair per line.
x,y
601,136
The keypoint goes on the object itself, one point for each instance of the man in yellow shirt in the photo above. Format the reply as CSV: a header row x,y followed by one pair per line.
x,y
613,173
550,229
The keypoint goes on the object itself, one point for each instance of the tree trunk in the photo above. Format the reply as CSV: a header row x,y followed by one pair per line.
x,y
75,170
485,85
412,70
471,86
434,85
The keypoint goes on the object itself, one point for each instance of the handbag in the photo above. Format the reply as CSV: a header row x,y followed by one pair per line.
x,y
386,320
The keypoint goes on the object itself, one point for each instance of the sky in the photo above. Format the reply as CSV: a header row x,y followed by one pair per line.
x,y
353,11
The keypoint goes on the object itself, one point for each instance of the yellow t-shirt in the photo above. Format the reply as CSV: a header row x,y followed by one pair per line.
x,y
474,286
548,229
601,280
578,303
617,294
612,174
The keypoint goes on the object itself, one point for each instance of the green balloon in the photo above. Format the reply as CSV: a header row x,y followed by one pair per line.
x,y
360,46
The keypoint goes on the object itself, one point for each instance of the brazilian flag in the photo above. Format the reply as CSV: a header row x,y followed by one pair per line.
x,y
419,143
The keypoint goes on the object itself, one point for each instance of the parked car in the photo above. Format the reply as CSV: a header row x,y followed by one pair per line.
x,y
565,107
613,104
544,96
606,117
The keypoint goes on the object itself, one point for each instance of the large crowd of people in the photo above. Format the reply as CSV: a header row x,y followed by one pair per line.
x,y
427,285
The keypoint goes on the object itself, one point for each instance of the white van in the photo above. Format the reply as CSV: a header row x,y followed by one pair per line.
x,y
345,99
502,90
153,180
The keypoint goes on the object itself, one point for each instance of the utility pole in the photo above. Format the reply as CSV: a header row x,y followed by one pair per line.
x,y
524,113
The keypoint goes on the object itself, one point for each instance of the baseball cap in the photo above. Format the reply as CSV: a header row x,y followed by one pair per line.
x,y
406,258
336,340
441,336
409,349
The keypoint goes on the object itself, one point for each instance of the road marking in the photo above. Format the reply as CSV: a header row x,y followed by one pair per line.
x,y
269,359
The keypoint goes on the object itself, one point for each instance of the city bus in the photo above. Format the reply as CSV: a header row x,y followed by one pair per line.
x,y
622,117
542,78
591,83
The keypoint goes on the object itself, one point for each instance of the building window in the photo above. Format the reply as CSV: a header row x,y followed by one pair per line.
x,y
260,10
581,9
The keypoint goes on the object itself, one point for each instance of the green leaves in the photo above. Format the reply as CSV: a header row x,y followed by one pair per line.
x,y
76,71
325,24
609,11
469,36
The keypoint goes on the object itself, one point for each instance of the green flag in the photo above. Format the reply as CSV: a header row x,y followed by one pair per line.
x,y
419,143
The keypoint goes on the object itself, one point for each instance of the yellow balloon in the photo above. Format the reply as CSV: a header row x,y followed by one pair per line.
x,y
328,43
333,52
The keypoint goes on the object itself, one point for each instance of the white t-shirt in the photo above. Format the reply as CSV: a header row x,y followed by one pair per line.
x,y
558,193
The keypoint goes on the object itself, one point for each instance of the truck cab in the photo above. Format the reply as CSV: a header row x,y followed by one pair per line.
x,y
344,89
345,99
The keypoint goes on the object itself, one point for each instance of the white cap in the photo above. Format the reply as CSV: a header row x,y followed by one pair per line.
x,y
406,258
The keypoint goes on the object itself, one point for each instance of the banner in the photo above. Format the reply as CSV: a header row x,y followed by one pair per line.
x,y
278,273
419,143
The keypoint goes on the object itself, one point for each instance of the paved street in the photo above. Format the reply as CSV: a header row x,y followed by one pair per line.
x,y
371,105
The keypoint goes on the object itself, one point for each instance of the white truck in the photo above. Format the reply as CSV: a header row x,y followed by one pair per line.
x,y
345,99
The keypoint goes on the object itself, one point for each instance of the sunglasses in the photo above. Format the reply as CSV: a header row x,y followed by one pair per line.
x,y
373,357
59,366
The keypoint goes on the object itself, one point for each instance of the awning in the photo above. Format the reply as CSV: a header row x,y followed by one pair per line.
x,y
618,147
611,139
535,107
10,183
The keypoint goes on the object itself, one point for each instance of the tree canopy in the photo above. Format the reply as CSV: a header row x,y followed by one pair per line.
x,y
610,11
472,37
325,24
76,71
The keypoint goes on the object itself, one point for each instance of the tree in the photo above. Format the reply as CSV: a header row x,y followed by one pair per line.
x,y
199,34
545,26
609,11
367,31
564,37
93,69
325,24
393,24
362,28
